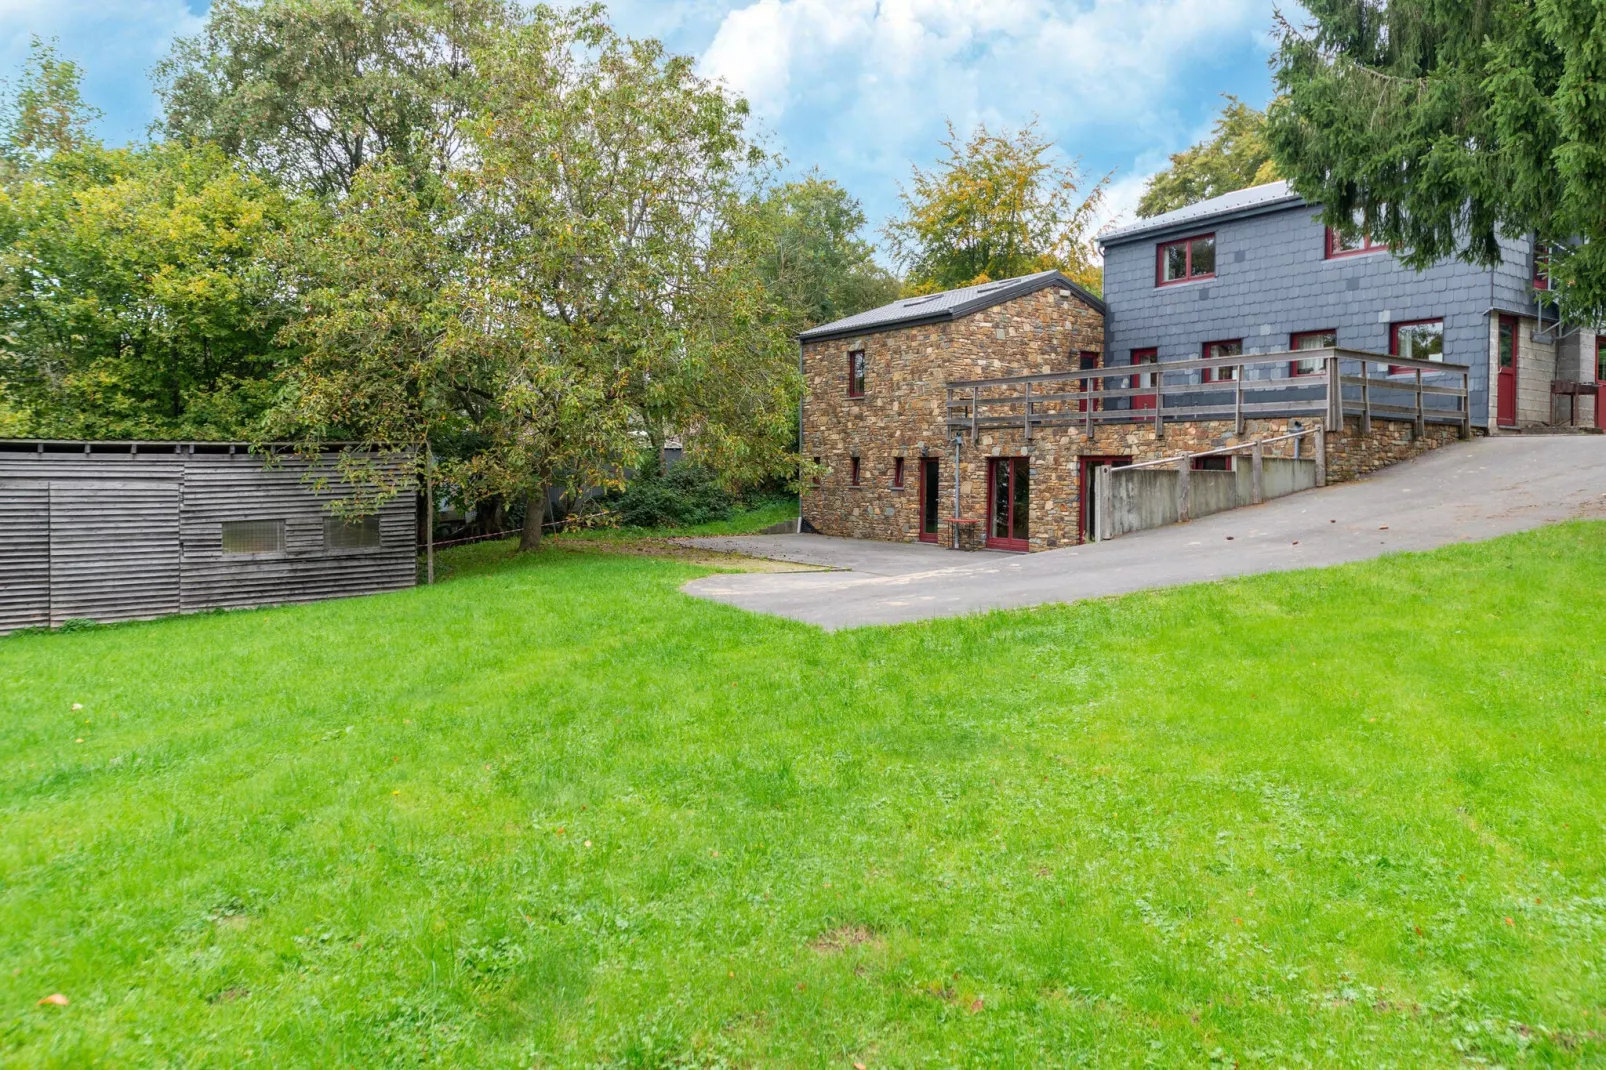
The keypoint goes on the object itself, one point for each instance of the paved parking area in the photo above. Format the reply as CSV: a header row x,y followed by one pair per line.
x,y
1470,490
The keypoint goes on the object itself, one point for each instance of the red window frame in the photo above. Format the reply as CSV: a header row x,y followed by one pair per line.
x,y
1220,375
853,472
1332,251
856,373
1293,343
897,472
1394,339
1188,274
1148,355
1541,273
1088,360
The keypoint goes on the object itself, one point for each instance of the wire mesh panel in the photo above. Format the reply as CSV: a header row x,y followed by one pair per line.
x,y
253,536
354,533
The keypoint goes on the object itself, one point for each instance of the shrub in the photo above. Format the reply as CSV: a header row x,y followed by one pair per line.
x,y
684,495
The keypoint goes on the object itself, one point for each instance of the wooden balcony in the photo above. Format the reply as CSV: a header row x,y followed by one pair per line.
x,y
1346,382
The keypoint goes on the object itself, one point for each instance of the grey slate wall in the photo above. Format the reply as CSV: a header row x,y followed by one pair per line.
x,y
1273,280
123,535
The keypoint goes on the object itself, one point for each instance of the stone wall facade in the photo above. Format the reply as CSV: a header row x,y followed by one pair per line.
x,y
901,415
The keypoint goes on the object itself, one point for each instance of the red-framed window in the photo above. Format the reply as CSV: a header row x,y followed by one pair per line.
x,y
1185,260
897,472
853,471
1338,245
1231,347
1088,360
1541,278
856,374
1309,340
1416,339
1144,380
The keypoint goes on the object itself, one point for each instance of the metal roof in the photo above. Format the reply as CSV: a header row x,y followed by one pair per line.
x,y
946,306
1249,201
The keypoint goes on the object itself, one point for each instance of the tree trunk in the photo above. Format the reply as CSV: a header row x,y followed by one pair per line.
x,y
534,517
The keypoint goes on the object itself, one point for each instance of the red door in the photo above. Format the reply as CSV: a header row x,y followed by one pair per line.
x,y
1146,380
1009,505
1089,465
1600,381
930,505
1506,373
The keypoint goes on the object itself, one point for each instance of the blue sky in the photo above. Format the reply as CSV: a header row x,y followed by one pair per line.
x,y
860,88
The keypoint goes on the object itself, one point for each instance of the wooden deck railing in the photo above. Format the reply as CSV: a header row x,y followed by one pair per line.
x,y
1349,382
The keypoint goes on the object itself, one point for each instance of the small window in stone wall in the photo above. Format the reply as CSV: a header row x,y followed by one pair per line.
x,y
815,479
351,533
897,472
853,471
253,536
856,374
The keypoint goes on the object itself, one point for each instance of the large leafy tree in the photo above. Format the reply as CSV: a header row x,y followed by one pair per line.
x,y
997,206
136,297
1439,127
312,90
1235,156
806,242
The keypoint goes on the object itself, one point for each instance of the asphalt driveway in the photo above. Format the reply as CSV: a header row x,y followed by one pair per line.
x,y
1471,490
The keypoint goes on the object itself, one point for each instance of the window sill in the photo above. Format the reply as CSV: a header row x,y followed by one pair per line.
x,y
1184,282
1357,252
897,488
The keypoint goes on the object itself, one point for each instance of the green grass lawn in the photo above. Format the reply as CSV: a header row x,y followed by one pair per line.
x,y
554,812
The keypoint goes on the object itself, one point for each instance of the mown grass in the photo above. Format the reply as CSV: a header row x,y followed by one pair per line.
x,y
554,812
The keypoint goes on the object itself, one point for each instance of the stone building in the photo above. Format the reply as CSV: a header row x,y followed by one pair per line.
x,y
979,416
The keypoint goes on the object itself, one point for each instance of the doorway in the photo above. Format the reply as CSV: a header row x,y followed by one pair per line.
x,y
1009,503
1506,373
1600,381
930,511
1089,507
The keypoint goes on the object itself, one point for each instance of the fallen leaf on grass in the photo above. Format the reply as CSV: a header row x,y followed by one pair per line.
x,y
55,999
975,1005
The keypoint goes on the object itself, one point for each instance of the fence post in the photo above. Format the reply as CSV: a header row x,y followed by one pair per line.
x,y
1366,396
1421,420
1321,456
1028,410
1466,407
1103,500
1159,403
1335,397
1184,489
1256,453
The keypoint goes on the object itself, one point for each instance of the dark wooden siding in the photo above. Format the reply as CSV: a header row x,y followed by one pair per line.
x,y
125,535
24,554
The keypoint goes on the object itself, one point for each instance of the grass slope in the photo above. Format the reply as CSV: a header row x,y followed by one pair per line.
x,y
555,813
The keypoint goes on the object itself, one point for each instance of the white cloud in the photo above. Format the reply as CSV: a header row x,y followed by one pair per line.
x,y
862,87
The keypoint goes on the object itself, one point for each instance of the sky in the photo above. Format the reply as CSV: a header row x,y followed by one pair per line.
x,y
858,88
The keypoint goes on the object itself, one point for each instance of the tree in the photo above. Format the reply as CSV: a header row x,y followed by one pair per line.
x,y
611,303
1437,128
136,297
995,208
1235,157
312,90
805,241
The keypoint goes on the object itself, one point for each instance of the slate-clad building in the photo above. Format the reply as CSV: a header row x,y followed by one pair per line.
x,y
1257,270
128,531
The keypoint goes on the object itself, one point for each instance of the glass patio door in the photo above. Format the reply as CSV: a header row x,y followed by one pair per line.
x,y
1009,503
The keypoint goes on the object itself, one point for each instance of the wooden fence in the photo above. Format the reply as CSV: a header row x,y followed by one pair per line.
x,y
1343,382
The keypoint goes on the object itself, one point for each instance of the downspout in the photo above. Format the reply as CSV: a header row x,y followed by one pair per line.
x,y
959,440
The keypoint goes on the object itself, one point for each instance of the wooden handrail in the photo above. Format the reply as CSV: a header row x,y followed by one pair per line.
x,y
1169,367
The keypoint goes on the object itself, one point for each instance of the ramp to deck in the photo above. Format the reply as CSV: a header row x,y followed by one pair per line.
x,y
1461,492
